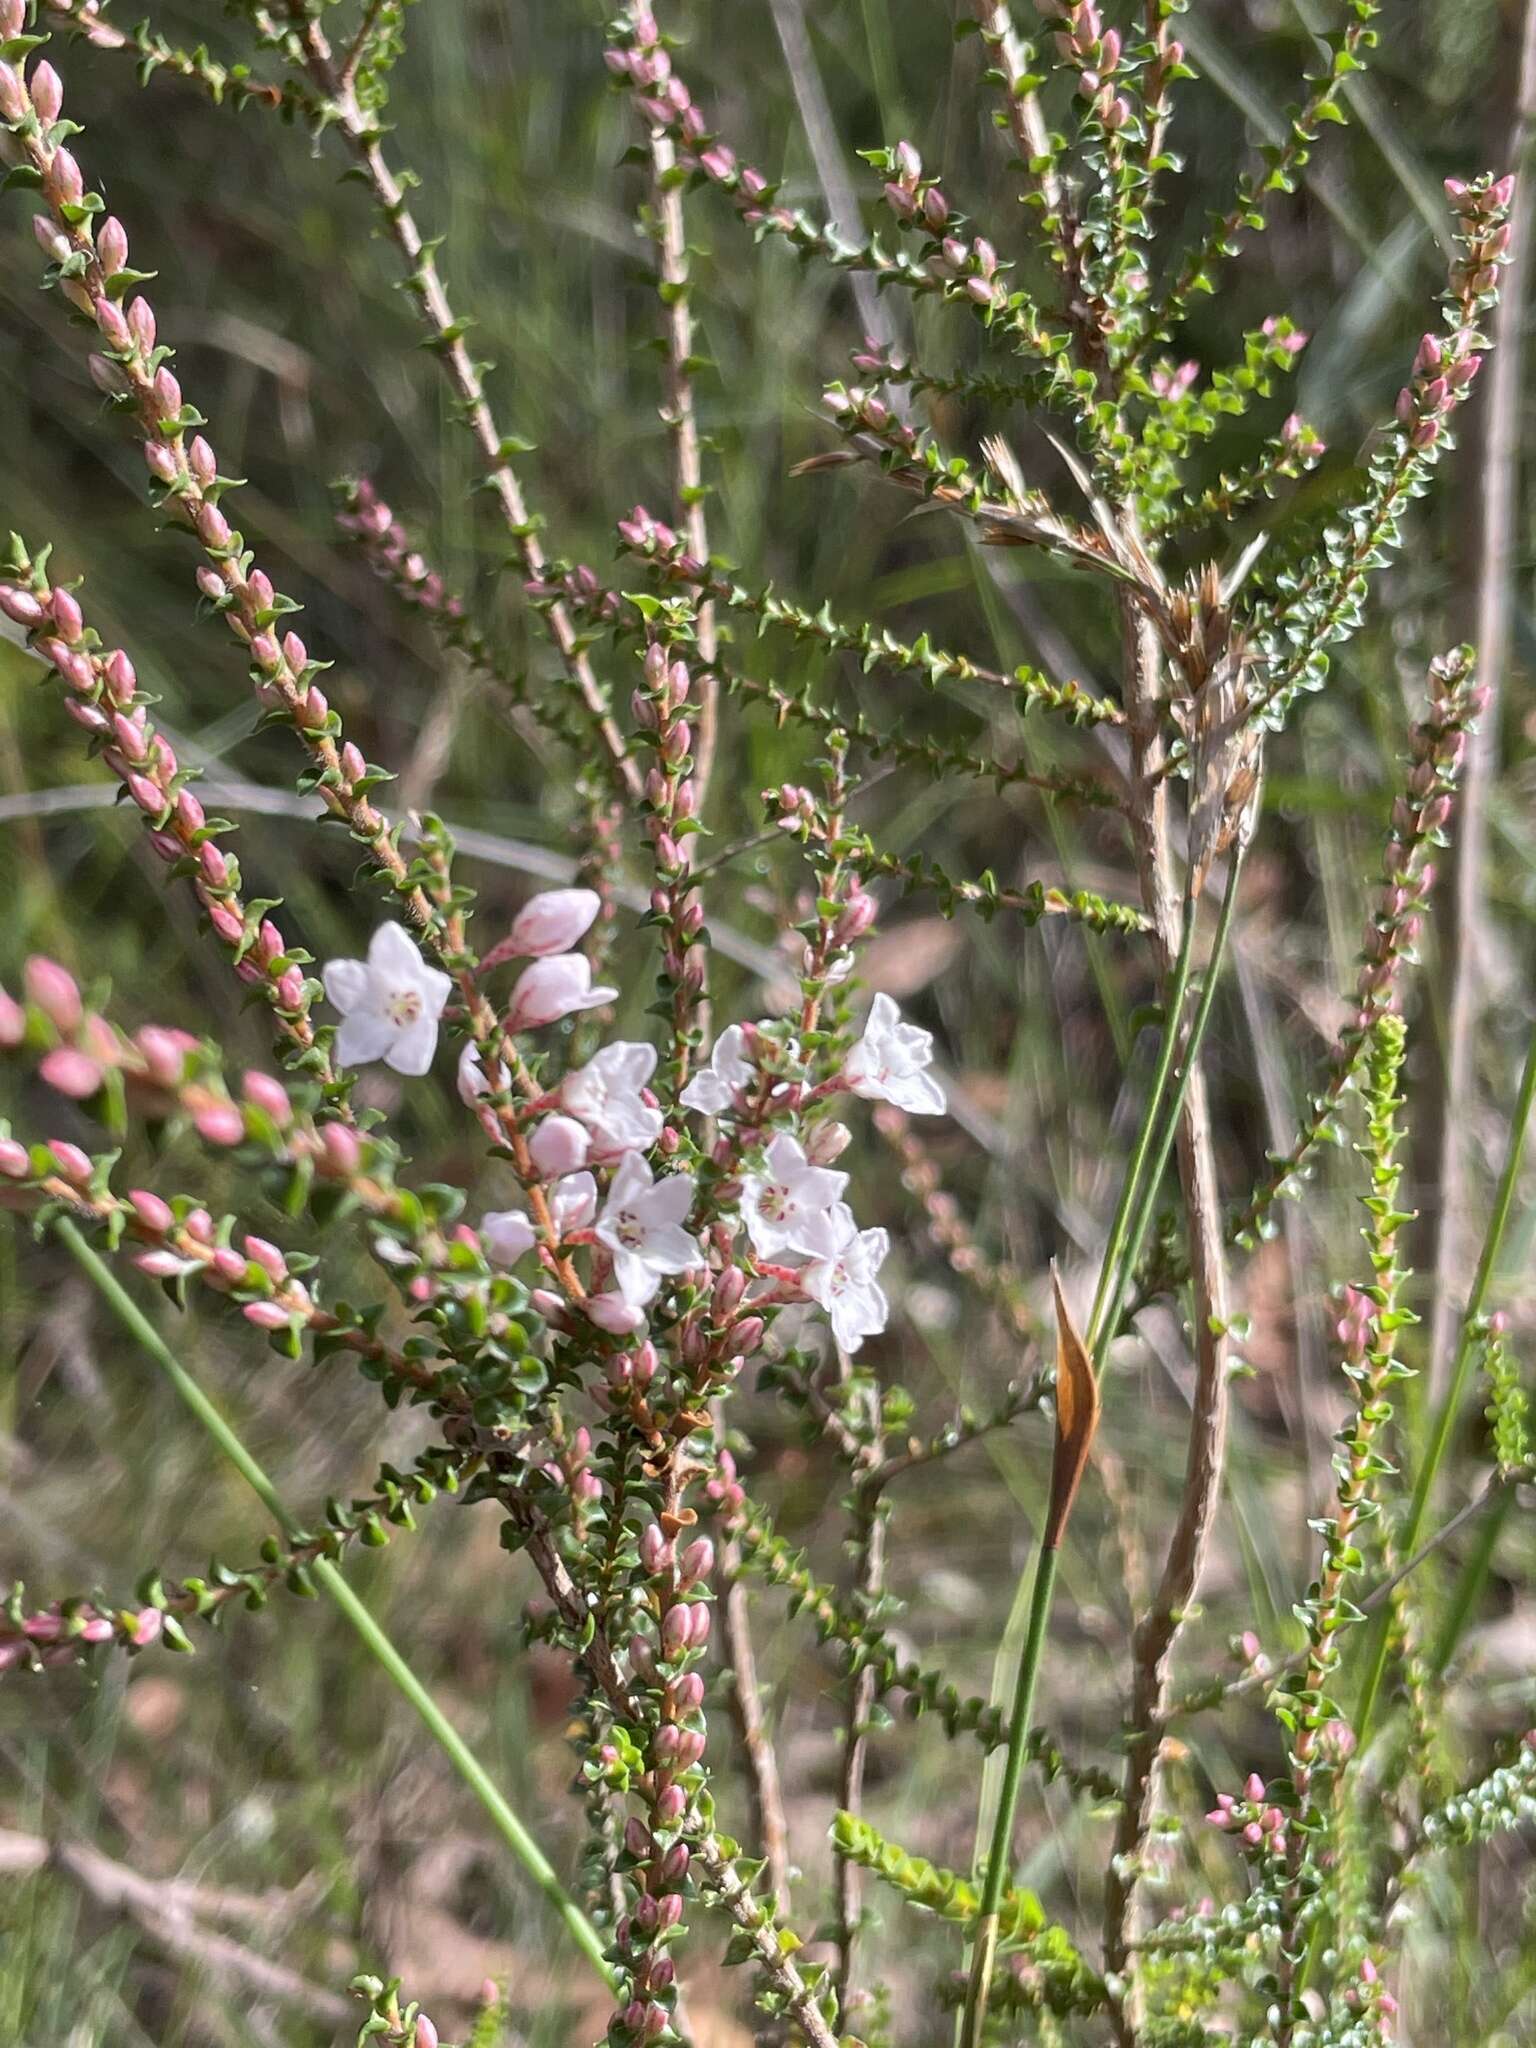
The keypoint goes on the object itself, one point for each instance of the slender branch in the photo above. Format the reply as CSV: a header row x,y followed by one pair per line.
x,y
1491,479
363,1624
447,330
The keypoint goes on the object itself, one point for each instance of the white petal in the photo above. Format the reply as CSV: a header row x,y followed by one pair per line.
x,y
412,1050
436,988
706,1093
670,1199
364,1036
631,1177
637,1282
920,1094
883,1017
786,1156
392,953
671,1250
346,983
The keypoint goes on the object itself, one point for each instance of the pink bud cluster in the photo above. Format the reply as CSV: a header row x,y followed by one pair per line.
x,y
56,1635
1420,815
658,1856
387,548
105,699
660,706
181,462
1260,1825
1094,52
953,261
644,534
964,269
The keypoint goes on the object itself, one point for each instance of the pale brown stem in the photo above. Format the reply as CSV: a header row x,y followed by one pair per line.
x,y
770,1827
681,421
1158,1629
863,1690
173,1916
1492,482
459,367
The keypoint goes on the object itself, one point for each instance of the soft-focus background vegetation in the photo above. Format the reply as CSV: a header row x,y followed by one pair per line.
x,y
274,1765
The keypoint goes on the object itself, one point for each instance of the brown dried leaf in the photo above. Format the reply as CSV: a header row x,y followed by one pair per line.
x,y
1077,1417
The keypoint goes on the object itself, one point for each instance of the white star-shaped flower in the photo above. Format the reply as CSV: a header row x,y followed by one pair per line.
x,y
605,1096
843,1282
713,1089
642,1225
785,1207
890,1062
389,1003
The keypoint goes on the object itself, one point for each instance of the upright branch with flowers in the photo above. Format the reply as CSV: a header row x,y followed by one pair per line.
x,y
688,1215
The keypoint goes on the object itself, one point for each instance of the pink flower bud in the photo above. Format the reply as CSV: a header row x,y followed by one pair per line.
x,y
72,1163
161,461
13,95
64,174
72,1073
152,1212
269,1095
559,1146
554,988
111,247
54,992
21,607
14,1162
697,1562
611,1312
676,1631
426,2033
267,1256
47,92
341,1149
655,1550
49,240
266,1315
212,527
552,922
353,766
66,615
220,1123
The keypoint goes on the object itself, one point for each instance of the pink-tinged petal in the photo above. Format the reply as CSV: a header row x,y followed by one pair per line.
x,y
573,1203
469,1078
559,1146
613,1313
553,921
508,1236
346,984
554,988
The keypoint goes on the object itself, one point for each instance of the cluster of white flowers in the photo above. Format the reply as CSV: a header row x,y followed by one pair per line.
x,y
803,1234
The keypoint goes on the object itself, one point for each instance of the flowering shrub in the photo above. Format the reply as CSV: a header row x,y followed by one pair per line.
x,y
682,1226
